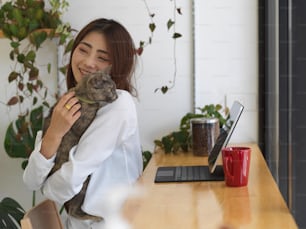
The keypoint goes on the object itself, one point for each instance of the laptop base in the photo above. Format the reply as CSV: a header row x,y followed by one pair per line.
x,y
188,174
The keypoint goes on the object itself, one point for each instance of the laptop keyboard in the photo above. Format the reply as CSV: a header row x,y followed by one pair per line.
x,y
191,173
188,173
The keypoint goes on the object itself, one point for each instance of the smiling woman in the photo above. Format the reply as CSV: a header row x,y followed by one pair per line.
x,y
90,55
115,49
109,151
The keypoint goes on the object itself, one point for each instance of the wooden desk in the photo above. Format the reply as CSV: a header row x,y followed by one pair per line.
x,y
208,205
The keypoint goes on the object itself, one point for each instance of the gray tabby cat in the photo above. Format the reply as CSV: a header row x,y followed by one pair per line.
x,y
93,91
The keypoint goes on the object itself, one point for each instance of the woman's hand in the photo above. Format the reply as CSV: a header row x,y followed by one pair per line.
x,y
64,115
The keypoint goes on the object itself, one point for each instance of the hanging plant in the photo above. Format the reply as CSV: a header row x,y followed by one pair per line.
x,y
171,27
28,24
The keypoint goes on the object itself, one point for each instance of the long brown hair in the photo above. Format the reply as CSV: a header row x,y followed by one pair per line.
x,y
121,50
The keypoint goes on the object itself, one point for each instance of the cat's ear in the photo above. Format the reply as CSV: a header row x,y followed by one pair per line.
x,y
108,69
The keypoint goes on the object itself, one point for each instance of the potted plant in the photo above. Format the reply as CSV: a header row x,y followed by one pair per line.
x,y
28,24
180,140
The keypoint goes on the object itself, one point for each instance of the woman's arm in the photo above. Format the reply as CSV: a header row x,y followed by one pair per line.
x,y
41,159
95,146
38,167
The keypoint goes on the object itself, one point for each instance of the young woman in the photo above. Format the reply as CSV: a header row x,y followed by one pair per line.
x,y
110,148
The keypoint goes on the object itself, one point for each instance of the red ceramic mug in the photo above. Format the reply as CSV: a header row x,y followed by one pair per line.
x,y
236,165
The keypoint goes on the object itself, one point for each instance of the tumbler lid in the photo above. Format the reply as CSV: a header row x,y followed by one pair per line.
x,y
204,120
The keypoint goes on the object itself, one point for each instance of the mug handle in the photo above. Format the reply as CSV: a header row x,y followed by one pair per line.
x,y
227,171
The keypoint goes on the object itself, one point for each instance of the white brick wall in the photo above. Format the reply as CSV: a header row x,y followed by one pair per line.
x,y
226,59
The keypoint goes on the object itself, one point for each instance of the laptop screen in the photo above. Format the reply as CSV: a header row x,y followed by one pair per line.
x,y
225,135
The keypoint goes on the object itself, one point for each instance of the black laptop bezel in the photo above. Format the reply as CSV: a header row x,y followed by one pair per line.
x,y
225,135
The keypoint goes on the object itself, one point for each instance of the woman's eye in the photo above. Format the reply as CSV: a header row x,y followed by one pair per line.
x,y
103,59
83,50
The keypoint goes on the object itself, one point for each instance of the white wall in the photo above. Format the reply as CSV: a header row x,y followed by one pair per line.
x,y
158,113
226,59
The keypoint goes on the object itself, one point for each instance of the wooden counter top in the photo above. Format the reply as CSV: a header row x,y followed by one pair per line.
x,y
208,205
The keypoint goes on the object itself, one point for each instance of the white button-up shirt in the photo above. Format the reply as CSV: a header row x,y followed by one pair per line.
x,y
109,151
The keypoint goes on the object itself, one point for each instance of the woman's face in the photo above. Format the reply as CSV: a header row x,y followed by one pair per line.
x,y
91,55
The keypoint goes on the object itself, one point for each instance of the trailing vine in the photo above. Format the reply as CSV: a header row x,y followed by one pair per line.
x,y
171,27
28,25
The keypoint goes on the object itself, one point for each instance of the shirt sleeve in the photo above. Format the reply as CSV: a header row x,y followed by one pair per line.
x,y
38,166
108,129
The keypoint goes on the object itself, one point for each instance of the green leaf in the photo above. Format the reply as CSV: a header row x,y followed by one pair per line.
x,y
152,27
46,104
39,84
37,38
68,47
13,76
146,157
49,68
179,11
31,56
12,54
24,164
176,35
170,23
15,44
36,119
164,89
181,138
33,25
35,100
22,33
12,143
62,39
21,58
13,30
63,70
19,140
33,74
158,143
11,213
30,88
45,94
21,98
38,14
167,143
218,107
17,15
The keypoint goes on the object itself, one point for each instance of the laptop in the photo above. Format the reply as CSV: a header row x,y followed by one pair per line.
x,y
211,172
